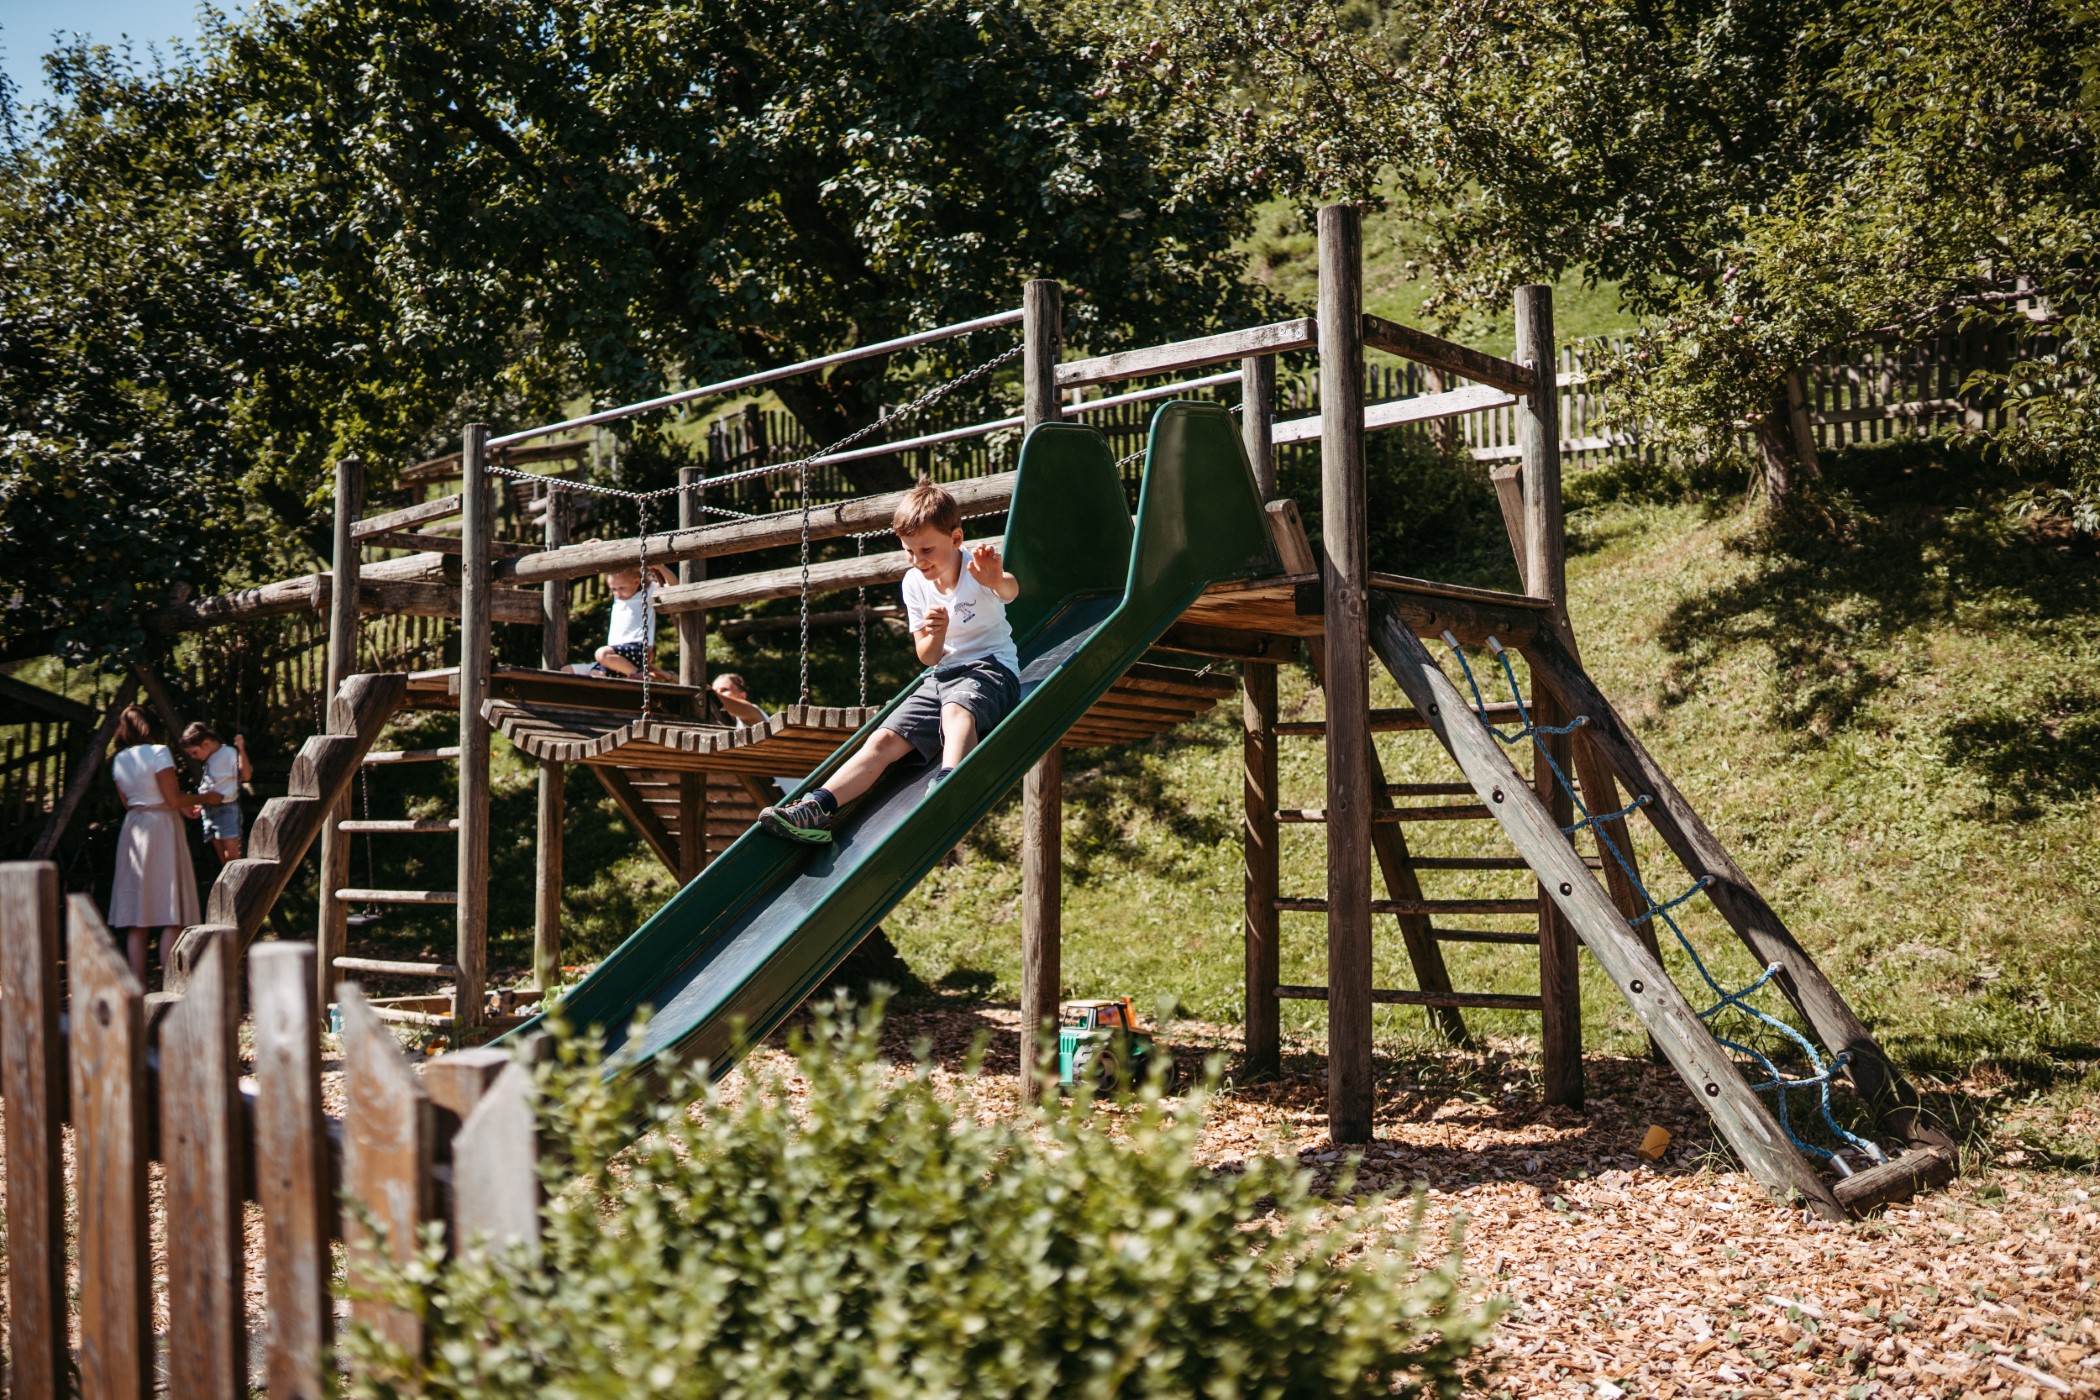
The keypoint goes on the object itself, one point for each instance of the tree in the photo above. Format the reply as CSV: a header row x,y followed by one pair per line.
x,y
353,225
1761,178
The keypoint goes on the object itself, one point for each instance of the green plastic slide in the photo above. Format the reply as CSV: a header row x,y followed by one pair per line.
x,y
738,949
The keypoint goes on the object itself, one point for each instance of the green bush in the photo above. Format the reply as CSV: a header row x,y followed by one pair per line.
x,y
863,1232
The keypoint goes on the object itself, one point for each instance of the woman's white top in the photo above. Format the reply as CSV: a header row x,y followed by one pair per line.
x,y
133,768
977,626
632,619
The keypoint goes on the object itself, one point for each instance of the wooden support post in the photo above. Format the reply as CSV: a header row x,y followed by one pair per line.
x,y
1258,420
386,1163
83,774
108,1026
1042,791
692,671
1755,922
1260,840
205,1157
470,950
547,852
1259,843
1546,576
291,1167
332,928
1744,1120
1344,529
33,1083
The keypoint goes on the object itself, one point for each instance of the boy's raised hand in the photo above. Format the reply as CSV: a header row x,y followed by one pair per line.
x,y
985,565
935,622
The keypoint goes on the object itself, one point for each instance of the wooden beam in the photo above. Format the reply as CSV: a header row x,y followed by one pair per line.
x,y
1449,1001
1228,643
1042,791
640,815
1744,1120
1509,495
1344,539
331,918
1448,355
826,522
83,774
881,568
1259,845
1423,408
1273,339
421,513
553,796
1257,417
692,671
476,659
1755,922
506,605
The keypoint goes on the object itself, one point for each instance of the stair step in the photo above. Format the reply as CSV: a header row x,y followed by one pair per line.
x,y
1443,812
224,904
279,817
390,968
415,824
1419,906
1390,996
1398,721
320,756
378,756
356,896
1486,935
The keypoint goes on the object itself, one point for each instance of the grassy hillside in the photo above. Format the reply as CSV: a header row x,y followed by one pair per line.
x,y
1892,723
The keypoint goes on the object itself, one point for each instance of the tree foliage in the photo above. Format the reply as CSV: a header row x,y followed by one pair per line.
x,y
1760,178
352,225
851,1229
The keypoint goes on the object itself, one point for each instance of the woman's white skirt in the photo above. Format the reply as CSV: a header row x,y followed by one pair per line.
x,y
155,888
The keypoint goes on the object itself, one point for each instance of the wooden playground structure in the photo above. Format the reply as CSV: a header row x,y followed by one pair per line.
x,y
690,780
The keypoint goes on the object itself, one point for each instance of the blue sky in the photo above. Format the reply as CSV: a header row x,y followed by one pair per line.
x,y
26,27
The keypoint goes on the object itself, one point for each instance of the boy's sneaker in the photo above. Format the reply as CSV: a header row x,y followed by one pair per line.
x,y
803,820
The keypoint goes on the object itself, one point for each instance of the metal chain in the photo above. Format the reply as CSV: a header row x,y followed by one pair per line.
x,y
803,602
860,611
648,603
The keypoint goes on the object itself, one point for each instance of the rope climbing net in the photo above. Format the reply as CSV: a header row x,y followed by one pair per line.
x,y
1775,1081
799,467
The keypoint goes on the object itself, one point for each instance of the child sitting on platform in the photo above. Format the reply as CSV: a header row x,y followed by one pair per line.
x,y
630,643
225,769
955,600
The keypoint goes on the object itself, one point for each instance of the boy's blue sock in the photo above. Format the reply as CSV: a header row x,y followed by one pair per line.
x,y
825,800
940,775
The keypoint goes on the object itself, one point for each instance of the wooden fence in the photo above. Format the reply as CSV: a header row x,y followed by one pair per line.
x,y
36,759
153,1280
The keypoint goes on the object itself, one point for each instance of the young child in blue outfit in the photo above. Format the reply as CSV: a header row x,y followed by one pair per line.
x,y
955,599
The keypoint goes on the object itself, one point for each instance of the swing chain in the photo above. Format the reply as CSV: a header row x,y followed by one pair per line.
x,y
648,600
860,612
802,478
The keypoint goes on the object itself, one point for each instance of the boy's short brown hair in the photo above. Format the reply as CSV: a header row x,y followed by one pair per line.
x,y
926,504
197,734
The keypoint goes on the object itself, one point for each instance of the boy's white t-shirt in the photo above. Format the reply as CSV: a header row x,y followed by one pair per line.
x,y
977,626
632,619
222,773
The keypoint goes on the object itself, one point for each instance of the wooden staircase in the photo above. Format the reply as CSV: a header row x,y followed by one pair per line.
x,y
327,764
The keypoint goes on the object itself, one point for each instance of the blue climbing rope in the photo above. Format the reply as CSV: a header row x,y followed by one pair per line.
x,y
1775,1082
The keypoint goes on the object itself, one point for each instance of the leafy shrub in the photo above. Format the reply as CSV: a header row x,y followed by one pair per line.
x,y
1432,511
867,1233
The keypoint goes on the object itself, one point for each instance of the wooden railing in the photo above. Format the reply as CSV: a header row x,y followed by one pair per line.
x,y
36,758
139,1080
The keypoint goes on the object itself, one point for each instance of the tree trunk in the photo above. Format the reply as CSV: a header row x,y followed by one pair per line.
x,y
1786,446
831,406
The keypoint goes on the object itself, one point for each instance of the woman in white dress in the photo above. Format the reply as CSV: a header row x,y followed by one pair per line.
x,y
155,889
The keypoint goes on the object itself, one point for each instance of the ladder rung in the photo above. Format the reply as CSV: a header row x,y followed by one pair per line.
x,y
1429,789
1443,812
387,967
417,824
1484,862
1475,1001
412,755
1484,935
397,896
1387,721
1419,906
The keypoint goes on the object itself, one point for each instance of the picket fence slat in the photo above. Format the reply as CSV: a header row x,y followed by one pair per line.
x,y
204,1160
109,1122
386,1164
33,1082
495,1168
291,1176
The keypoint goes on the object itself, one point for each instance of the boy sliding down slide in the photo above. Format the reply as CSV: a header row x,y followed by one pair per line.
x,y
955,600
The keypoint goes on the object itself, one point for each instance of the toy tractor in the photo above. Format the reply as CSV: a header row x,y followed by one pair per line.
x,y
1099,1043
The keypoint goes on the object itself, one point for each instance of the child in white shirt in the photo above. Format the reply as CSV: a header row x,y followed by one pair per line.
x,y
225,769
630,643
955,600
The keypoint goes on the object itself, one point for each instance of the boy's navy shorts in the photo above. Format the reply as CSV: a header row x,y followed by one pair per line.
x,y
985,688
